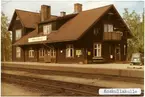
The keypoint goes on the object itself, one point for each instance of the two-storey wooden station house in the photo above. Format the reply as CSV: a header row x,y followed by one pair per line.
x,y
90,36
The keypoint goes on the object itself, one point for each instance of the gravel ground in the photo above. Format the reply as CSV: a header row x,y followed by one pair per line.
x,y
14,89
10,89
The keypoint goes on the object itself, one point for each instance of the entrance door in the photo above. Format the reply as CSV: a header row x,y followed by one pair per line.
x,y
47,57
52,54
117,53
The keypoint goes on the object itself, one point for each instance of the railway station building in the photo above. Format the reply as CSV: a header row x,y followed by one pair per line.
x,y
84,36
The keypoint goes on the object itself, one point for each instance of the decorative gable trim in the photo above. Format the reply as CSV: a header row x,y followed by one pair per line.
x,y
14,18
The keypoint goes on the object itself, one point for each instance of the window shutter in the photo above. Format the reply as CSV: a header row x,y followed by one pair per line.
x,y
69,53
105,28
45,29
110,28
49,29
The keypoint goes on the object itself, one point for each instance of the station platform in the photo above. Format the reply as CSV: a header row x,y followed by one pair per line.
x,y
105,69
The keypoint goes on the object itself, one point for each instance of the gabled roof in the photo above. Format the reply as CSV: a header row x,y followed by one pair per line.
x,y
59,18
77,26
28,19
24,39
74,28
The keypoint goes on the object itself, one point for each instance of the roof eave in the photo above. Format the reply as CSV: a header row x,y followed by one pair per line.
x,y
9,27
96,21
129,31
44,42
15,12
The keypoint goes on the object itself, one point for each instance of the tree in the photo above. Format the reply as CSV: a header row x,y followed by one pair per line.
x,y
136,25
5,39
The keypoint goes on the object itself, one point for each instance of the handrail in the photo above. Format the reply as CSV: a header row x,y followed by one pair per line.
x,y
112,36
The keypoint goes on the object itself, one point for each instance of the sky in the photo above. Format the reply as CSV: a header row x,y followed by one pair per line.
x,y
8,6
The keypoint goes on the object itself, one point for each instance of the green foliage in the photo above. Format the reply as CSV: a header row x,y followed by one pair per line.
x,y
136,25
6,46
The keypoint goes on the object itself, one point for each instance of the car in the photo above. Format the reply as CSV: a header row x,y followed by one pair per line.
x,y
137,59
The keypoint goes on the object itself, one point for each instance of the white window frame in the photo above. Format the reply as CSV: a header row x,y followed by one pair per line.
x,y
69,48
18,52
108,27
17,35
41,52
31,53
47,28
98,48
52,52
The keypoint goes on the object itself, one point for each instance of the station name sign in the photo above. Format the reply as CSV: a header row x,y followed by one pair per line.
x,y
36,39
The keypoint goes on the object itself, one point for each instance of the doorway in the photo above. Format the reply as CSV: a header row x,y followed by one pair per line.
x,y
51,53
47,57
117,53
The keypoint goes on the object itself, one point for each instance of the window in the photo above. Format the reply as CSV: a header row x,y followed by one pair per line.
x,y
96,31
41,52
47,29
31,53
18,34
97,50
52,52
69,51
108,28
18,52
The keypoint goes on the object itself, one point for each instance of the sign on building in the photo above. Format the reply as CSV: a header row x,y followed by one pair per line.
x,y
78,52
89,53
36,39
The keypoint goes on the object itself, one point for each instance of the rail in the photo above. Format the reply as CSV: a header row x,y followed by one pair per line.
x,y
112,36
46,85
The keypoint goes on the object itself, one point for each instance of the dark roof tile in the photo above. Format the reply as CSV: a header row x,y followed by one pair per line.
x,y
72,29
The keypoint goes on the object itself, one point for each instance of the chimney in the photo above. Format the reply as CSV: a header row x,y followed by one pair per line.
x,y
45,12
77,7
62,13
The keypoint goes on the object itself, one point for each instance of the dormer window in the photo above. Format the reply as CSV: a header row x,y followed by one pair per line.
x,y
18,34
47,29
108,27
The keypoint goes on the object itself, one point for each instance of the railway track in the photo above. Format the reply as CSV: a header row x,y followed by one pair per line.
x,y
80,75
69,82
67,88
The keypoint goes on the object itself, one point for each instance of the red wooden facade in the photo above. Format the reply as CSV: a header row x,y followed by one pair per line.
x,y
111,46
